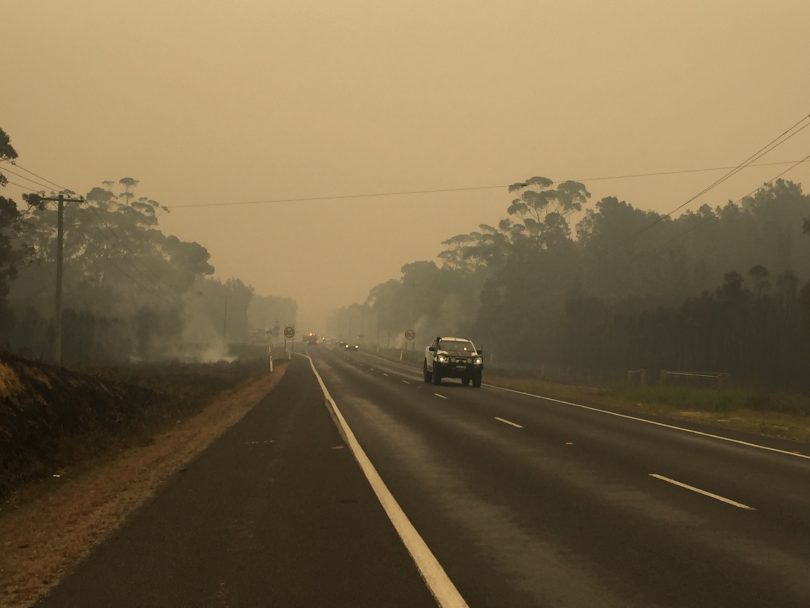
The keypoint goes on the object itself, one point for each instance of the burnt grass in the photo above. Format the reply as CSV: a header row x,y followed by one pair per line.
x,y
54,420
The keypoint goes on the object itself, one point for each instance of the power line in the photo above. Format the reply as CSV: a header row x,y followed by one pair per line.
x,y
739,200
92,210
20,186
33,181
98,222
19,166
458,189
438,190
767,148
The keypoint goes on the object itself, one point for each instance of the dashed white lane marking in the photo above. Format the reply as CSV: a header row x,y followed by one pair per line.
x,y
435,577
384,374
405,382
728,501
440,396
653,422
509,422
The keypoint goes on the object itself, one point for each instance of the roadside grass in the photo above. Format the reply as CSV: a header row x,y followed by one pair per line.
x,y
783,415
715,399
691,397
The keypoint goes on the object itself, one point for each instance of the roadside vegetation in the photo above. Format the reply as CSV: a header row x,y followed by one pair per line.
x,y
597,289
715,399
780,414
54,420
131,292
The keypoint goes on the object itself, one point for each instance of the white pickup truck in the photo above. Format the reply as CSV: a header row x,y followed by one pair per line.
x,y
453,358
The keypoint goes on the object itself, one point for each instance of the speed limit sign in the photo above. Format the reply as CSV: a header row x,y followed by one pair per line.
x,y
410,334
289,331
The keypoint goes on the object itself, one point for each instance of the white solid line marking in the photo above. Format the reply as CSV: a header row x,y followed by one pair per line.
x,y
440,396
436,579
728,501
505,421
405,382
653,422
384,374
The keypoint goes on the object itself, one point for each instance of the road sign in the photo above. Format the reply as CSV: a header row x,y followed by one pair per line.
x,y
289,331
410,334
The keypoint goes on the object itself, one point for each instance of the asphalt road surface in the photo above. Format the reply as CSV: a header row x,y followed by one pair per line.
x,y
522,501
276,512
531,502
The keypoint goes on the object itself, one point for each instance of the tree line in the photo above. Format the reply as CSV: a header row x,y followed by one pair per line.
x,y
606,287
130,291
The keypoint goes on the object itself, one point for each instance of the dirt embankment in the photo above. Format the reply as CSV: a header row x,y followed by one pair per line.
x,y
42,407
113,444
52,419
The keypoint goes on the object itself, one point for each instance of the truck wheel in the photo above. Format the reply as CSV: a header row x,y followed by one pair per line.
x,y
465,380
437,376
426,374
477,380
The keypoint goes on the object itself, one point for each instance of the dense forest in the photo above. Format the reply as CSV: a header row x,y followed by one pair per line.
x,y
602,288
130,291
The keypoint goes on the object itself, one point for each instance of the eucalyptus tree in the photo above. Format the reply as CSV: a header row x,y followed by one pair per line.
x,y
10,253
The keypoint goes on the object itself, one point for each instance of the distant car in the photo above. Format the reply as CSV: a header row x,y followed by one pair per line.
x,y
352,346
453,358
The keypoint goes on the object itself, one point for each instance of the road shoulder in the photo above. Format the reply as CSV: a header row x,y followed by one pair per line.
x,y
275,512
42,539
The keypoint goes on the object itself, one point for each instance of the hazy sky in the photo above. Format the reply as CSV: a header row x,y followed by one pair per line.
x,y
264,99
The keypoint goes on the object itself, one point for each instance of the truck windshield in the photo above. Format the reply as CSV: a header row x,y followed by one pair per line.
x,y
457,346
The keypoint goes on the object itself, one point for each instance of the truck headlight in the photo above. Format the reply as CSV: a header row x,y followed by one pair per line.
x,y
442,358
478,361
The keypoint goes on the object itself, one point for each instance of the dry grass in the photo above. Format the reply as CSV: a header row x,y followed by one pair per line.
x,y
10,383
771,415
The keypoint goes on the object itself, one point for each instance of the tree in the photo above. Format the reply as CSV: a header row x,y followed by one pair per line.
x,y
7,153
121,274
129,184
10,254
541,209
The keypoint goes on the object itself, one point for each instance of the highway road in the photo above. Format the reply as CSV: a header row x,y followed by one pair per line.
x,y
532,502
513,500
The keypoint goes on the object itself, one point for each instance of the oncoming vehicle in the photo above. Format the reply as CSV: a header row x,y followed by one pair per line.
x,y
311,339
350,346
453,358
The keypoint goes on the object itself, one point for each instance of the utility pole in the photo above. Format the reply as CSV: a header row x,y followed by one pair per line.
x,y
60,246
225,321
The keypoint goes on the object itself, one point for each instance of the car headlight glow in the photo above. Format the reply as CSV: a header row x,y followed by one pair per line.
x,y
478,361
442,358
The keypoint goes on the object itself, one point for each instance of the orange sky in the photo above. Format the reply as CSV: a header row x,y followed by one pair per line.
x,y
220,101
